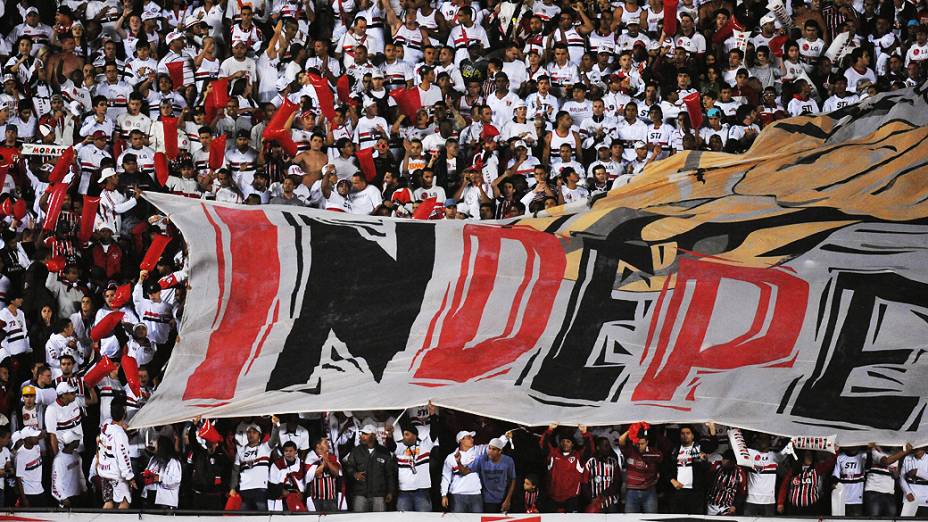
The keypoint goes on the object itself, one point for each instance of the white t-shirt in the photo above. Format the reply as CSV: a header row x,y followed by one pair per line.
x,y
29,469
254,463
365,201
762,478
849,470
881,479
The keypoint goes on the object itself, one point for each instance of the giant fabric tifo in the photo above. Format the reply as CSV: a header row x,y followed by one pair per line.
x,y
783,290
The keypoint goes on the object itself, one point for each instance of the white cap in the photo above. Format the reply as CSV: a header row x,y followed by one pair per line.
x,y
29,431
282,83
192,21
174,35
8,78
254,427
640,144
518,103
70,437
150,15
369,429
295,170
44,129
768,18
32,9
464,433
106,173
498,443
65,387
376,73
518,144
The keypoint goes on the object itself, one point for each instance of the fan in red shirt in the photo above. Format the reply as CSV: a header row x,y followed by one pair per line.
x,y
565,468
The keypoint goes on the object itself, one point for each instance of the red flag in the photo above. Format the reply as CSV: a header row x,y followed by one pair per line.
x,y
123,295
176,72
281,115
161,168
130,368
366,159
324,93
217,99
118,145
168,281
19,209
100,370
55,264
217,152
158,244
670,17
88,215
408,101
208,432
104,328
169,127
56,196
4,171
62,166
283,137
424,210
693,102
343,87
776,45
726,30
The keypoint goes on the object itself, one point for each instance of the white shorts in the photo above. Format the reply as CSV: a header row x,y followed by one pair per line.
x,y
116,490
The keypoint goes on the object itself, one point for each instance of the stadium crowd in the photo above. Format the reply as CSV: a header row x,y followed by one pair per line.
x,y
443,110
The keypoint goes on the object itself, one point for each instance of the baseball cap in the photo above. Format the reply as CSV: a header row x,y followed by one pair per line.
x,y
768,18
106,173
687,44
368,429
254,427
99,135
714,112
498,443
295,170
65,387
519,143
174,35
520,103
640,144
238,42
464,433
8,78
150,15
29,431
28,390
376,73
32,10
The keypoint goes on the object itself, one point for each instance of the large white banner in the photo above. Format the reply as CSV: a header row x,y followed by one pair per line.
x,y
767,291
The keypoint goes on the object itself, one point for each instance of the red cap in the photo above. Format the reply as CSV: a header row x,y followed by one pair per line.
x,y
488,132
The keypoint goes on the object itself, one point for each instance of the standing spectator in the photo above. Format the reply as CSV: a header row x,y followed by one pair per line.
x,y
413,458
849,471
687,470
322,477
880,484
373,469
62,416
460,489
497,476
762,478
604,477
643,464
113,464
29,469
162,476
801,488
250,471
913,479
727,486
68,483
286,477
565,467
209,468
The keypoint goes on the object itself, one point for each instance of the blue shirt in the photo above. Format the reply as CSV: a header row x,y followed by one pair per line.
x,y
494,476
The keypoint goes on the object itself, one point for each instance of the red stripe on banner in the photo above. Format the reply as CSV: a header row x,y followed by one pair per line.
x,y
220,264
458,339
267,331
255,283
